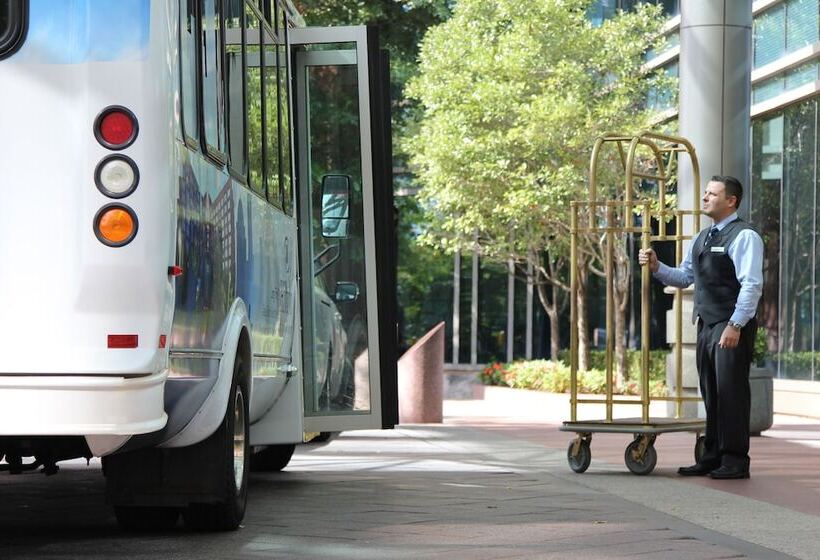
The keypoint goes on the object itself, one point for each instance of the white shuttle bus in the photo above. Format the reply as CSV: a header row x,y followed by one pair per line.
x,y
196,259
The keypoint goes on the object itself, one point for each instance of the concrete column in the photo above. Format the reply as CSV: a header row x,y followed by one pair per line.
x,y
715,91
715,97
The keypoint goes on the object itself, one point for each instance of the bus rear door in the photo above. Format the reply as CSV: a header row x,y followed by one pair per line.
x,y
345,209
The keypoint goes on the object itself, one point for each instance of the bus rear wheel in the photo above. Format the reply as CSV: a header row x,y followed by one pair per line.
x,y
232,437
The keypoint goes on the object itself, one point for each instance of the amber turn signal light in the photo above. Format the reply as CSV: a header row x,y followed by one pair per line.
x,y
115,225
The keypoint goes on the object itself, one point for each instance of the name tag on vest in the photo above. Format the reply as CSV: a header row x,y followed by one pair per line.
x,y
717,249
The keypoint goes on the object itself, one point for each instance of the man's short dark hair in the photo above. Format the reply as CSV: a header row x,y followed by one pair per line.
x,y
733,186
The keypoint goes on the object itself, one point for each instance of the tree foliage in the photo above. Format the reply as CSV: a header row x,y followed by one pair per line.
x,y
514,94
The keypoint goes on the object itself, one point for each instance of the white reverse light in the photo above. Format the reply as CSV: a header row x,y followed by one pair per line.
x,y
117,176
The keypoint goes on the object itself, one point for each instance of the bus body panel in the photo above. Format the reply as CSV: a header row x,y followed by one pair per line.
x,y
63,291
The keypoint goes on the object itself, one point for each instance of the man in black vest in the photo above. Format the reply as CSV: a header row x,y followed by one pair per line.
x,y
725,262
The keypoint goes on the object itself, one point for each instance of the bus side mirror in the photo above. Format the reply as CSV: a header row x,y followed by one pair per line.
x,y
335,206
346,292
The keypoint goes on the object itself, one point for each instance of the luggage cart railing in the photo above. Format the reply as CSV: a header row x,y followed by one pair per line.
x,y
609,221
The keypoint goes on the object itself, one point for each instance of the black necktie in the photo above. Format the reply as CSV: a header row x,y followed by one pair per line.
x,y
710,235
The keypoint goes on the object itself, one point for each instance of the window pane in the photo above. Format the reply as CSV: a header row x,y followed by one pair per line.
x,y
816,298
284,115
797,254
272,121
600,11
234,11
492,312
660,100
190,44
765,201
768,89
801,23
254,93
769,36
212,112
801,76
12,28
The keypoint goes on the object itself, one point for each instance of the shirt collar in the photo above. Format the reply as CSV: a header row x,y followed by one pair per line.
x,y
725,222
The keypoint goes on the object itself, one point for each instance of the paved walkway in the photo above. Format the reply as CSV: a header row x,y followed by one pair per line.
x,y
488,484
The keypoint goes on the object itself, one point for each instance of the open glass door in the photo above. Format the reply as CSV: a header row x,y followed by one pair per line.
x,y
349,347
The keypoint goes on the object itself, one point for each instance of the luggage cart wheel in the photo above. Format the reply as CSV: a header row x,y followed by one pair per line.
x,y
700,448
640,456
578,455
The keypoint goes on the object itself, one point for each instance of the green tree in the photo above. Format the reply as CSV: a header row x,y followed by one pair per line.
x,y
513,95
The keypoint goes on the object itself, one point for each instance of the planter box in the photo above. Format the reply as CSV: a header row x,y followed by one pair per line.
x,y
761,414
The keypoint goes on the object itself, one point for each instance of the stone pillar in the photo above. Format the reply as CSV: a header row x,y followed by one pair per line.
x,y
715,96
421,379
715,90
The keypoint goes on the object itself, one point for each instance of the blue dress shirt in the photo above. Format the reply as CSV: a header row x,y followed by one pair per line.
x,y
746,252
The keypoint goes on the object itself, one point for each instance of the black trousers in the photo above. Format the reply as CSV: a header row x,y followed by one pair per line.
x,y
724,384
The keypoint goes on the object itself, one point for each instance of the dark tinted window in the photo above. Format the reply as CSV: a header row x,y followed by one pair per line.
x,y
235,78
188,49
12,25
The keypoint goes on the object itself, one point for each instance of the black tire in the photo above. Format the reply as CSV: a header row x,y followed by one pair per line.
x,y
146,519
700,448
644,465
579,463
227,515
272,458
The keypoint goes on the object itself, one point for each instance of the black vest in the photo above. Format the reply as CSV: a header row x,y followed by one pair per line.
x,y
716,285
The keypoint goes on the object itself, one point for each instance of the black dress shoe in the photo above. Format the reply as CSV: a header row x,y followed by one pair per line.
x,y
726,473
695,470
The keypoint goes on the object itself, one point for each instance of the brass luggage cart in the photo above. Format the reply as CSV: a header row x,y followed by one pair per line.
x,y
608,221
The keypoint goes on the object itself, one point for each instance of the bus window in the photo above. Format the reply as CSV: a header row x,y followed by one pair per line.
x,y
267,7
212,106
253,82
284,115
234,77
188,47
12,26
272,122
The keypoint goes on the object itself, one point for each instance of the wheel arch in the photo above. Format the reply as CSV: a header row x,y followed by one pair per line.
x,y
236,343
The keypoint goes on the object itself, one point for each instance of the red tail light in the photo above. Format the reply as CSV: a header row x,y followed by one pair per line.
x,y
116,128
123,340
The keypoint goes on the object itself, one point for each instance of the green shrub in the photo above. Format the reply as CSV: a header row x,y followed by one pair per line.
x,y
760,348
554,377
796,365
657,363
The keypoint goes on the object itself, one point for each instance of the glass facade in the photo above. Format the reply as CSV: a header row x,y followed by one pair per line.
x,y
785,28
601,10
784,207
785,81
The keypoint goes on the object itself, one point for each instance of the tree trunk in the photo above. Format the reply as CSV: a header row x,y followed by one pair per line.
x,y
622,270
583,324
621,372
551,308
